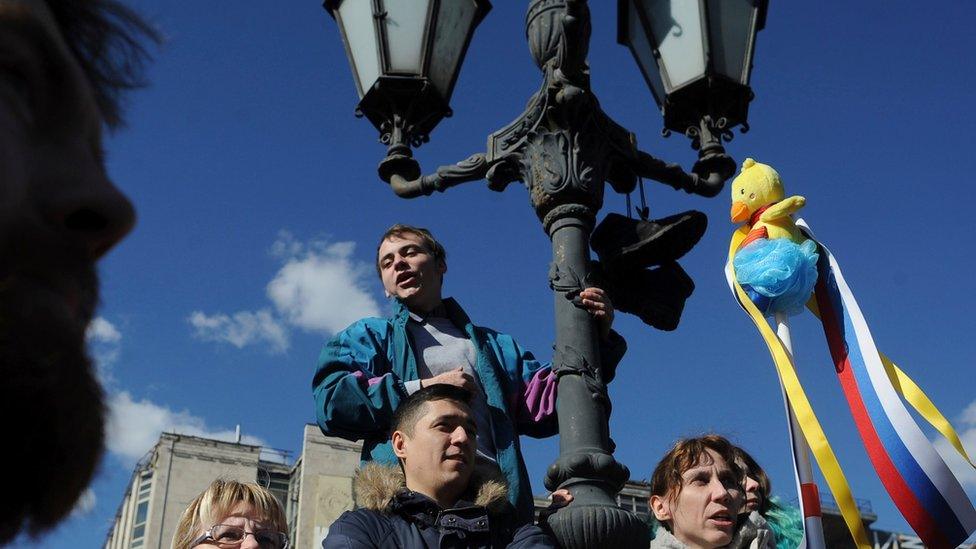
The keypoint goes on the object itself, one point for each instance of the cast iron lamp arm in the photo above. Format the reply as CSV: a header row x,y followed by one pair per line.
x,y
473,168
707,176
709,173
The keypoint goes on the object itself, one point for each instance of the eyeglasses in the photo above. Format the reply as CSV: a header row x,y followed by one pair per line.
x,y
225,535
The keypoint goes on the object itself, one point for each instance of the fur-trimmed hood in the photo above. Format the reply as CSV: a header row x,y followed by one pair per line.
x,y
376,484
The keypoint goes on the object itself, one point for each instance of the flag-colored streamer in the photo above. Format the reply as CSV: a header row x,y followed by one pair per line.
x,y
812,431
916,477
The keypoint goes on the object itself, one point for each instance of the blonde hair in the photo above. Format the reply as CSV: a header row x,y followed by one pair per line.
x,y
219,499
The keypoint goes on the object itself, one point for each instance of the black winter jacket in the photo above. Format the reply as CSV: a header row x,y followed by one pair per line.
x,y
391,516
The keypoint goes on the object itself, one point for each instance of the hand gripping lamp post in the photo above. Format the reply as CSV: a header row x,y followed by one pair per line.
x,y
696,56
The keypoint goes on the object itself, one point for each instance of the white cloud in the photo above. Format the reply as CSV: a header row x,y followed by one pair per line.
x,y
134,426
243,328
102,331
319,288
968,415
287,246
85,504
966,426
104,342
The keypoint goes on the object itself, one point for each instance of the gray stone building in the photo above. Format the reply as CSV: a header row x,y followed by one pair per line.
x,y
314,490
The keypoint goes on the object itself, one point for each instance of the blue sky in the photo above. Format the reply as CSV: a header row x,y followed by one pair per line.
x,y
259,210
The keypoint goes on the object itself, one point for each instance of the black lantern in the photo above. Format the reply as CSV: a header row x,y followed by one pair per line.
x,y
696,56
405,57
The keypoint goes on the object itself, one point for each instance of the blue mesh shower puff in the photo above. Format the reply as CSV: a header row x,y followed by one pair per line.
x,y
779,270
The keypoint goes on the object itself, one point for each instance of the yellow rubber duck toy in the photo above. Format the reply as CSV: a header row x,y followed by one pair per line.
x,y
775,264
757,197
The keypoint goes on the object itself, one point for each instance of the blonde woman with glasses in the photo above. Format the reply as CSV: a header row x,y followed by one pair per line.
x,y
231,514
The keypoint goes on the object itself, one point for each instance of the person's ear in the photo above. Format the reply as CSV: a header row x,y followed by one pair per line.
x,y
387,294
399,443
660,508
441,266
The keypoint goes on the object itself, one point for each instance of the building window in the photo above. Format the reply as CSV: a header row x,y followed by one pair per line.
x,y
276,482
291,510
641,507
279,487
142,510
634,504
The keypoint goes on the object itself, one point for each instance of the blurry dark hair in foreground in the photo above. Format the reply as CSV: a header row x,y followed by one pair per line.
x,y
109,42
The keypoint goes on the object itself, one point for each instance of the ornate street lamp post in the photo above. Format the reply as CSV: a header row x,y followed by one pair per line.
x,y
564,148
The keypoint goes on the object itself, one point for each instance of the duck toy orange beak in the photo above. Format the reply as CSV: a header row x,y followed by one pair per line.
x,y
740,212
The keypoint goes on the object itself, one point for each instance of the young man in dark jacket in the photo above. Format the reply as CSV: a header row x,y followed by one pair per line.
x,y
435,497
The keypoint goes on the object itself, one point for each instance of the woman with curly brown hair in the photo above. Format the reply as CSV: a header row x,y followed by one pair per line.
x,y
697,495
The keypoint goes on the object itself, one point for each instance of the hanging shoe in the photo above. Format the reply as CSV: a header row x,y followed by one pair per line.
x,y
656,296
622,242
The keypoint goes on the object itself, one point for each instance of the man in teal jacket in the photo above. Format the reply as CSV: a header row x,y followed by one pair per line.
x,y
366,370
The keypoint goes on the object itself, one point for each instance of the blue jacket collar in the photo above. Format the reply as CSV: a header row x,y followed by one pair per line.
x,y
400,313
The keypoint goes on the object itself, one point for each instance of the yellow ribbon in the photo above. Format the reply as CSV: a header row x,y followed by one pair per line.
x,y
911,392
812,431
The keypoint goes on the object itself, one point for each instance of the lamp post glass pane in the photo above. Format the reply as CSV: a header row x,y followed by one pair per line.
x,y
356,18
454,21
643,52
405,24
730,28
677,29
